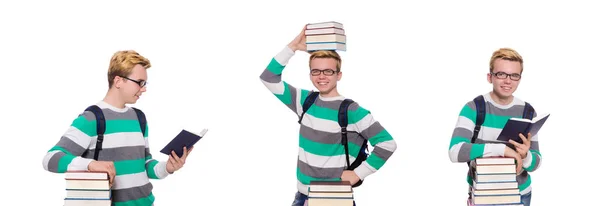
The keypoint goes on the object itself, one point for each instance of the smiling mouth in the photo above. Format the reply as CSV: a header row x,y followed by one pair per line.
x,y
506,88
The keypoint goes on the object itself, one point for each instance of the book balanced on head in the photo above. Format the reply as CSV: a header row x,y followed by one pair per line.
x,y
325,36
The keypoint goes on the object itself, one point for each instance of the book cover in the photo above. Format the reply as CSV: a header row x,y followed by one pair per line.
x,y
183,139
514,126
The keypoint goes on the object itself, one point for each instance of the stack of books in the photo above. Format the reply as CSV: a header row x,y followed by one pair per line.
x,y
495,182
325,36
87,188
330,193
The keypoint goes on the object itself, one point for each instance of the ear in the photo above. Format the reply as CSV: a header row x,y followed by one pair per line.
x,y
489,78
117,81
339,76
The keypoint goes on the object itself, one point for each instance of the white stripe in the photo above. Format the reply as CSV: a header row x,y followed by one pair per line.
x,y
489,133
493,149
323,161
276,88
364,170
363,124
284,56
298,102
321,124
454,150
121,139
130,180
79,163
47,158
526,190
77,136
160,170
302,188
389,145
465,123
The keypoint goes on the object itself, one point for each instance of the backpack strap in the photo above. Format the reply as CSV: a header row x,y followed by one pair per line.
x,y
528,111
142,119
343,122
100,127
480,108
309,101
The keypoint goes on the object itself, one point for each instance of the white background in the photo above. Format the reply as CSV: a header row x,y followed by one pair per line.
x,y
432,57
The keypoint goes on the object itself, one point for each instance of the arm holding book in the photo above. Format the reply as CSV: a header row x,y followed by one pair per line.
x,y
462,150
529,151
271,77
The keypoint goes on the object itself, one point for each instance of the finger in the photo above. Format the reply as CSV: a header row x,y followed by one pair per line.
x,y
516,144
174,155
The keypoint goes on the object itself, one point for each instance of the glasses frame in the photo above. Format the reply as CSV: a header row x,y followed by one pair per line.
x,y
141,83
312,72
513,76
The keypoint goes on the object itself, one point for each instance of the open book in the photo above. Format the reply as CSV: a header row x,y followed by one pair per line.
x,y
183,139
514,126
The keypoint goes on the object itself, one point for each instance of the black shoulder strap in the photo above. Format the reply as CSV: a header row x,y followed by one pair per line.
x,y
142,119
343,121
528,111
309,101
100,127
480,108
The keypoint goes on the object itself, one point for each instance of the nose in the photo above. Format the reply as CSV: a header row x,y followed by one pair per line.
x,y
143,89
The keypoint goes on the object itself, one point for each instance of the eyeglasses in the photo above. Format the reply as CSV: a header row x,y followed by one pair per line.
x,y
141,83
502,75
317,72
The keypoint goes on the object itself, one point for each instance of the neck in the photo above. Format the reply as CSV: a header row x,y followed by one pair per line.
x,y
501,100
112,98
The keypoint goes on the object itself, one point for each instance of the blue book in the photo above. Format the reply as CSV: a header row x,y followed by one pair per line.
x,y
183,139
516,126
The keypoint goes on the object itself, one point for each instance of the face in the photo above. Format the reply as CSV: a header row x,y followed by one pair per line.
x,y
321,74
510,71
130,90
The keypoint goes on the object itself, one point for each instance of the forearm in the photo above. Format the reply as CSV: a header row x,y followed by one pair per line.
x,y
383,148
156,169
462,150
272,79
66,154
534,158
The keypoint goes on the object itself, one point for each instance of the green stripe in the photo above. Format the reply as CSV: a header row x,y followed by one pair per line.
x,y
125,167
150,169
286,97
303,95
324,113
469,113
322,149
536,152
375,161
476,151
495,121
86,126
525,184
59,148
275,67
64,162
357,115
305,179
533,161
458,139
121,125
142,201
380,137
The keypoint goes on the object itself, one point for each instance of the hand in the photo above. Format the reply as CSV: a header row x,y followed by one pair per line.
x,y
522,149
175,163
103,166
508,152
299,43
349,175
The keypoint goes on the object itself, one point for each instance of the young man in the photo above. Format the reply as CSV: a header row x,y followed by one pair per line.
x,y
322,155
506,67
125,154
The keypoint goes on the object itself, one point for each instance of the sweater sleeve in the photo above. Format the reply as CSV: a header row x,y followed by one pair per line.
x,y
271,77
66,154
534,157
154,169
372,130
461,149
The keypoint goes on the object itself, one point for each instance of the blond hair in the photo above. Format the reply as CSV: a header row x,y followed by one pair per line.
x,y
323,54
506,54
122,63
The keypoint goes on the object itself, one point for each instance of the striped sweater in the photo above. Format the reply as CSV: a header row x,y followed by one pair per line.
x,y
123,144
321,155
461,149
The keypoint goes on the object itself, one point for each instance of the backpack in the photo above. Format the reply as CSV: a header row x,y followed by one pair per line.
x,y
480,108
101,125
343,122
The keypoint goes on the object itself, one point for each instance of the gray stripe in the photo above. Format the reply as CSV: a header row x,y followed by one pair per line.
x,y
333,105
471,104
112,115
514,111
462,132
329,138
134,193
293,95
53,163
270,77
118,154
70,146
464,154
537,162
534,146
372,130
323,173
522,178
382,153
